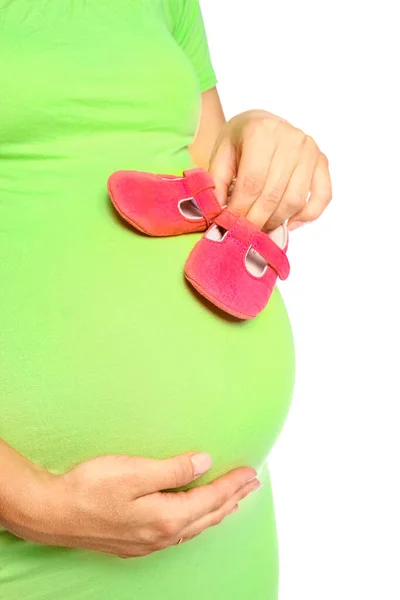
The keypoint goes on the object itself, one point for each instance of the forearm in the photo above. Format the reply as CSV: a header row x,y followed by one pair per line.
x,y
21,484
211,122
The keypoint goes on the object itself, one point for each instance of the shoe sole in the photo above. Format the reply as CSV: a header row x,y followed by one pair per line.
x,y
217,303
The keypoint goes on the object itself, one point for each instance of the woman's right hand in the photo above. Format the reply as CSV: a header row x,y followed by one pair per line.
x,y
115,504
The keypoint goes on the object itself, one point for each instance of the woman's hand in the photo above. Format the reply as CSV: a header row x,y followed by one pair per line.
x,y
113,504
276,167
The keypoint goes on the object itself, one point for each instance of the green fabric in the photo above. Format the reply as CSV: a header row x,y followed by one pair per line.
x,y
104,348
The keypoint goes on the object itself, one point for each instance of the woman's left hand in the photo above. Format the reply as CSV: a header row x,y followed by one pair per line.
x,y
281,174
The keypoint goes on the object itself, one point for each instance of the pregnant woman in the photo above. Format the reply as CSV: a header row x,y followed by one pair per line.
x,y
119,385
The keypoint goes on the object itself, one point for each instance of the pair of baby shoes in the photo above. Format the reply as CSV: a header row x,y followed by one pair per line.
x,y
234,265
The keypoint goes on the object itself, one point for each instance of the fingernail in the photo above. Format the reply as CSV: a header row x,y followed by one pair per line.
x,y
234,509
252,477
257,485
295,225
201,463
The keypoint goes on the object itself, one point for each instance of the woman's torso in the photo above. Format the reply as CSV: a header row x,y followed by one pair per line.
x,y
104,348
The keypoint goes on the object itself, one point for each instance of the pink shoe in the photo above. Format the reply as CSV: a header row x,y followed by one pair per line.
x,y
235,265
163,205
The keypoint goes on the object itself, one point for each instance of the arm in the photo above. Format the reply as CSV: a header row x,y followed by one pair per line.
x,y
90,505
212,120
21,485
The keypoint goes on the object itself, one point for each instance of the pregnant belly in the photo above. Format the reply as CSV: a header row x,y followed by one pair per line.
x,y
107,350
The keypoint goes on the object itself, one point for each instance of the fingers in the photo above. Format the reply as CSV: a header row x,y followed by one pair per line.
x,y
185,514
223,168
298,188
282,167
276,167
321,195
257,154
216,517
162,518
198,502
156,475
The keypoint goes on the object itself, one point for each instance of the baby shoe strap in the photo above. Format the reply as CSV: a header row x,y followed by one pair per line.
x,y
248,235
275,256
226,220
200,186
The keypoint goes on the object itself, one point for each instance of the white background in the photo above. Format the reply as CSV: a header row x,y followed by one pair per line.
x,y
331,69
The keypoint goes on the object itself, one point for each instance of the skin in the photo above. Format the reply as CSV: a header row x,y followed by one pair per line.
x,y
116,504
281,174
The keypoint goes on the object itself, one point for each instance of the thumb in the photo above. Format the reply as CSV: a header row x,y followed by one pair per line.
x,y
171,473
223,169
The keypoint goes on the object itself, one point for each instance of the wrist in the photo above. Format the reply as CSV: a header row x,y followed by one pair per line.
x,y
24,501
31,505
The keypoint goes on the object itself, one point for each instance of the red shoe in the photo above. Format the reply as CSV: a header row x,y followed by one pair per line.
x,y
163,205
235,265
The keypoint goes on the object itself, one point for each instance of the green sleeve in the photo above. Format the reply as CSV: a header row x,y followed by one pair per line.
x,y
189,31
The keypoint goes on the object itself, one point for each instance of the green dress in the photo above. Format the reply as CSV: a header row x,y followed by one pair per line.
x,y
104,348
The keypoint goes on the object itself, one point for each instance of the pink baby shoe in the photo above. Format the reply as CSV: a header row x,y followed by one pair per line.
x,y
163,205
235,265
